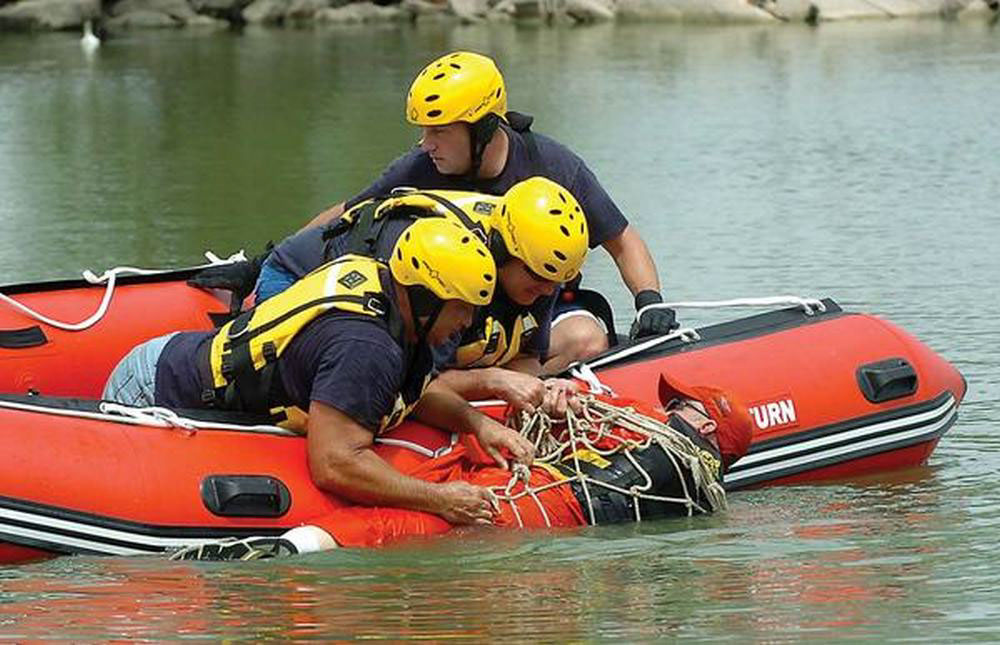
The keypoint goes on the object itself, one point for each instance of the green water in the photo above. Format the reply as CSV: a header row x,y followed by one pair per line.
x,y
857,161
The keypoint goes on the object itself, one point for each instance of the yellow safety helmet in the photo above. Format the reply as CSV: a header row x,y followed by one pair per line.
x,y
542,225
446,258
461,86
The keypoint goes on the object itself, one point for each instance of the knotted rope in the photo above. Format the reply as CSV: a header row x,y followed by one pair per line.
x,y
597,430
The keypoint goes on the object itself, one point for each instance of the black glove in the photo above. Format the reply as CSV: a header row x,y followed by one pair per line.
x,y
652,322
238,277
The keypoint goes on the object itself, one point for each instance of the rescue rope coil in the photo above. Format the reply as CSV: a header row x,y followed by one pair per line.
x,y
567,442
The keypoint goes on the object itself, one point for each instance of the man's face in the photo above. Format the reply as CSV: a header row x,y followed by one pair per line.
x,y
448,146
522,285
454,317
696,415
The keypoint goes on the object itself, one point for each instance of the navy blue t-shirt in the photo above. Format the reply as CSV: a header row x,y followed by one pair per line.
x,y
346,361
557,162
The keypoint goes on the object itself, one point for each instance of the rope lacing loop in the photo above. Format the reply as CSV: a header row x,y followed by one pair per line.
x,y
810,306
152,416
110,278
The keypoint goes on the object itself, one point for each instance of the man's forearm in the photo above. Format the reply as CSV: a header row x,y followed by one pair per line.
x,y
443,407
635,263
326,216
368,479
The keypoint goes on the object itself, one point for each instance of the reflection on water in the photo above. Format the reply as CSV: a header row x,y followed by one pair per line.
x,y
856,160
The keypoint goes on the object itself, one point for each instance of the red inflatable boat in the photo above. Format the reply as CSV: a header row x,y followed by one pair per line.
x,y
833,394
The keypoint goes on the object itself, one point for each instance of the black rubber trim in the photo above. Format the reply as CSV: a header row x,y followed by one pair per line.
x,y
839,428
727,332
78,283
106,523
22,338
93,406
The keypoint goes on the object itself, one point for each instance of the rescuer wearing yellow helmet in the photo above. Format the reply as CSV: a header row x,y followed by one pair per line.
x,y
305,359
538,237
470,141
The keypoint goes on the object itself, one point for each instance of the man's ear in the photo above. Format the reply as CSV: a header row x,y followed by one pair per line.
x,y
708,427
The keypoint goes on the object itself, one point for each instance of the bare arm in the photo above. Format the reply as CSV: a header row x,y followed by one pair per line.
x,y
326,216
341,461
634,261
519,387
443,407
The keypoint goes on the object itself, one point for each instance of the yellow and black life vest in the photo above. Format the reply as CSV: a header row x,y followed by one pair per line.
x,y
491,342
243,356
494,339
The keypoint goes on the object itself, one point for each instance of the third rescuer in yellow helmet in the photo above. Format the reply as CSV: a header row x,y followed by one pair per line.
x,y
536,234
470,141
344,354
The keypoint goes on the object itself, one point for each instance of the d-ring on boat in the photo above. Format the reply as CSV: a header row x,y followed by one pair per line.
x,y
832,393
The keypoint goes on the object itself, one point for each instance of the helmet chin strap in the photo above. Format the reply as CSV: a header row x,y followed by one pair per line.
x,y
480,134
423,303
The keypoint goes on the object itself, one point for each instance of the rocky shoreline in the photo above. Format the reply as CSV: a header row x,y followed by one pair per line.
x,y
112,16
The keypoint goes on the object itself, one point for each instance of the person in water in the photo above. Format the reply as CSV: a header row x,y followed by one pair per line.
x,y
538,237
469,141
716,422
344,355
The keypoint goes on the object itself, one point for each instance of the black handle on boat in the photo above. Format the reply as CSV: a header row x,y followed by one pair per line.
x,y
22,338
886,380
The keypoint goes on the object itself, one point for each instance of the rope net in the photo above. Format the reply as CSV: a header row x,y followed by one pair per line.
x,y
601,431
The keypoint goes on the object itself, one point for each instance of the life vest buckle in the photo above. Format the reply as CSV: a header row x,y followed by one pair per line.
x,y
376,304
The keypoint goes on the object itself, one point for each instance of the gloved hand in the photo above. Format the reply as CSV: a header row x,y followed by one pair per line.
x,y
652,322
238,277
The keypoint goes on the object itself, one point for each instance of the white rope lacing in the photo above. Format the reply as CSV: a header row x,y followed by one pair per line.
x,y
117,413
109,278
810,306
579,436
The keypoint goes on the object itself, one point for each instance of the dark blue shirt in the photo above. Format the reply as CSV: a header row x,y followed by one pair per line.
x,y
556,162
347,361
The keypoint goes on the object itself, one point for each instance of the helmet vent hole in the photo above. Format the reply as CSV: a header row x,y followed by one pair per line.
x,y
399,254
465,240
438,77
565,231
487,277
563,198
433,114
483,293
415,262
559,254
455,65
499,91
555,211
581,228
550,268
407,236
481,252
432,98
571,216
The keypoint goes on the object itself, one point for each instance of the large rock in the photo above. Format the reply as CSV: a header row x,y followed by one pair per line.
x,y
360,12
266,11
143,19
304,10
590,10
693,11
30,15
178,9
469,10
